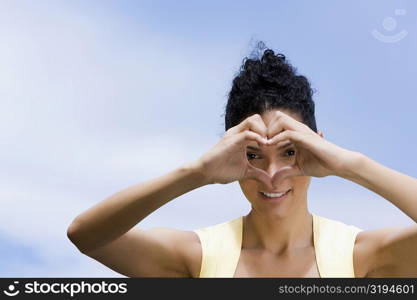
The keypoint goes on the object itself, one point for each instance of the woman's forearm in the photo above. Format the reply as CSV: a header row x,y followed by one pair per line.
x,y
398,188
118,213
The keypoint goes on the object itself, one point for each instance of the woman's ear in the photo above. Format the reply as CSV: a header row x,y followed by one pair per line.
x,y
321,134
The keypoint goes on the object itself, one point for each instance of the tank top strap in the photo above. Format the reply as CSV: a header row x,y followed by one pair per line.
x,y
334,242
333,245
221,245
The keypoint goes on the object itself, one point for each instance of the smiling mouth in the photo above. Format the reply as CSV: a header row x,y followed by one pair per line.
x,y
275,195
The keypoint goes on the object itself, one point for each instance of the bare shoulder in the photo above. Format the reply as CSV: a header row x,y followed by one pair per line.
x,y
188,244
192,251
367,247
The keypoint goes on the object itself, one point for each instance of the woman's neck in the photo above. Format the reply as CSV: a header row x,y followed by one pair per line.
x,y
278,235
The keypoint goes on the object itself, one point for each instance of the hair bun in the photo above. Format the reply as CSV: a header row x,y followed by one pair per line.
x,y
266,81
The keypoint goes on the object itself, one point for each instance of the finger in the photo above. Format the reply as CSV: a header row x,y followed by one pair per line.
x,y
253,123
282,121
247,136
258,175
296,137
284,173
279,124
309,144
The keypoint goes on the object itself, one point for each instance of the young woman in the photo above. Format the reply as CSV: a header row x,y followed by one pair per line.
x,y
272,147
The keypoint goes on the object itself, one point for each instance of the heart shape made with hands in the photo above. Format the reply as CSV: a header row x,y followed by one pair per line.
x,y
282,128
272,182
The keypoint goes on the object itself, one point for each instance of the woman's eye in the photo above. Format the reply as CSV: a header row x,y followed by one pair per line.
x,y
290,151
250,156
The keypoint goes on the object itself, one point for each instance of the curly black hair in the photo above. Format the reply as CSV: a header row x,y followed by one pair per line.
x,y
265,83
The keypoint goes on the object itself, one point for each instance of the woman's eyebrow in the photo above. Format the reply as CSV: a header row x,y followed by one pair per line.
x,y
253,148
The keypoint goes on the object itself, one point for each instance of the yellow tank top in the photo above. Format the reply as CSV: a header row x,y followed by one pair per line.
x,y
333,245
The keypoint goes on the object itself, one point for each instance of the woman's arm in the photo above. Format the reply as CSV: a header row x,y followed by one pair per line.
x,y
398,188
117,214
385,252
105,232
391,251
225,162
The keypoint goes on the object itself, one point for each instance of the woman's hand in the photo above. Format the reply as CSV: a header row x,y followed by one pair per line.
x,y
227,160
314,156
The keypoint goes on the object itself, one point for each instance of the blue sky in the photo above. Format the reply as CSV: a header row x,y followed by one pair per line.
x,y
100,95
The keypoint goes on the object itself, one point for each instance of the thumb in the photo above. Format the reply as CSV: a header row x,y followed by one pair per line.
x,y
259,175
285,172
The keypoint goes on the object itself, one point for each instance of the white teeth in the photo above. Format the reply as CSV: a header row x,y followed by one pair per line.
x,y
272,195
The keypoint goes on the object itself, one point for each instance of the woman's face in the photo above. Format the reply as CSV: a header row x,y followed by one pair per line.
x,y
271,159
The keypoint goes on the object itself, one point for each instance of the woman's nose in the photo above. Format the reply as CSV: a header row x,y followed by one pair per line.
x,y
274,166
